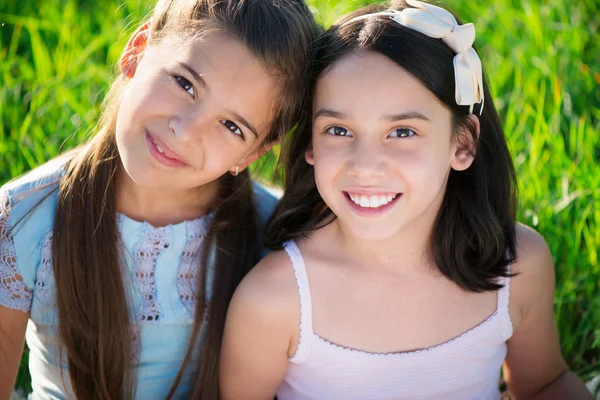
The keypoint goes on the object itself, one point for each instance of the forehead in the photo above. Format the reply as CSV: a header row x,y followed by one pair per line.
x,y
219,54
235,78
369,81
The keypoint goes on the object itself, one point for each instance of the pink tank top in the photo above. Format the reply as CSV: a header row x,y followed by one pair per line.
x,y
466,367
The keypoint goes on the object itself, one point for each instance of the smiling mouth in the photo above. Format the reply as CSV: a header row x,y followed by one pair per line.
x,y
162,155
160,149
372,200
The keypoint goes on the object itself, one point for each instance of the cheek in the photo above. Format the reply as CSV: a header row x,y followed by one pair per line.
x,y
222,152
425,173
146,97
131,110
327,161
324,173
331,151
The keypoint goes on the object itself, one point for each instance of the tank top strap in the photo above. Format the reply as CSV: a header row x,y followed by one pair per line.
x,y
506,328
306,330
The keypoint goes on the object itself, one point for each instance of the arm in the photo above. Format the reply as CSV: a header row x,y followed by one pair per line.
x,y
534,367
15,302
260,331
566,386
12,341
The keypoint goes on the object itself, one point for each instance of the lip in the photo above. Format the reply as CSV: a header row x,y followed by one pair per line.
x,y
370,192
371,212
168,158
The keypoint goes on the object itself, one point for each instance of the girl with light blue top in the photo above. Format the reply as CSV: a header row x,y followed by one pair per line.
x,y
119,258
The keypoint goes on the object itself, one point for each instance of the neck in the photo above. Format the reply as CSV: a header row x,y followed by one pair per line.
x,y
407,251
162,207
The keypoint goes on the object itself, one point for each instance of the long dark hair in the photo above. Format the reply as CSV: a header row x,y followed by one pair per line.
x,y
473,239
94,324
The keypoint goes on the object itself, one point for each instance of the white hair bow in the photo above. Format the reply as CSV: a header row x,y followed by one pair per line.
x,y
438,23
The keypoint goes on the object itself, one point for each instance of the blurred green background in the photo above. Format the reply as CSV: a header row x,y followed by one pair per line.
x,y
542,58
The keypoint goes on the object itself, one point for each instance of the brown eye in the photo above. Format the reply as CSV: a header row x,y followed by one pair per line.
x,y
185,84
338,131
232,127
402,133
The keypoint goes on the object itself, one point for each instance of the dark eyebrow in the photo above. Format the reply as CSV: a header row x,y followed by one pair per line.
x,y
407,115
196,75
245,122
325,112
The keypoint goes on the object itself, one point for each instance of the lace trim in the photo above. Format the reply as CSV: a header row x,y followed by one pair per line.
x,y
45,283
151,246
189,266
14,293
430,349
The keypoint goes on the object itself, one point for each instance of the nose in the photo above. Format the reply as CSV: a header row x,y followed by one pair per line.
x,y
366,161
187,126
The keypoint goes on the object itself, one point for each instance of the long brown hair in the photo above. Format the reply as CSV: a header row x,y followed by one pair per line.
x,y
474,234
94,324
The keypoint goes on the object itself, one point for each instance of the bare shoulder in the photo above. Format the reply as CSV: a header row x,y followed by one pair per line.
x,y
535,279
261,324
533,254
269,290
534,366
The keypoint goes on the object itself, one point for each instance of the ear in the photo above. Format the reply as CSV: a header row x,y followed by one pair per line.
x,y
261,151
309,156
465,146
133,51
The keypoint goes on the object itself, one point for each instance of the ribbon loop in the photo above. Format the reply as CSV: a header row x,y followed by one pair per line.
x,y
461,38
424,23
437,12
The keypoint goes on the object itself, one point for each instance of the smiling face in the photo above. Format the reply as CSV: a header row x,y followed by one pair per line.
x,y
382,147
192,110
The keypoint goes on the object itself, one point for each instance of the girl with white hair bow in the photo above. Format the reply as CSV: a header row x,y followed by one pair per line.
x,y
403,274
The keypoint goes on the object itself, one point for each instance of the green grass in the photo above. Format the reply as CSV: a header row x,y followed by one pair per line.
x,y
57,58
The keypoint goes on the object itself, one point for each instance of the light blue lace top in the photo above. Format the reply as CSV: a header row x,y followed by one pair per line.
x,y
160,279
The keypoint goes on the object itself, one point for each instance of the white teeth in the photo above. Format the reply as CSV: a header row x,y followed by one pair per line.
x,y
160,149
372,201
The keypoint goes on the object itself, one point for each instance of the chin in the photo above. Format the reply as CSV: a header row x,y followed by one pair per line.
x,y
371,231
147,175
374,233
